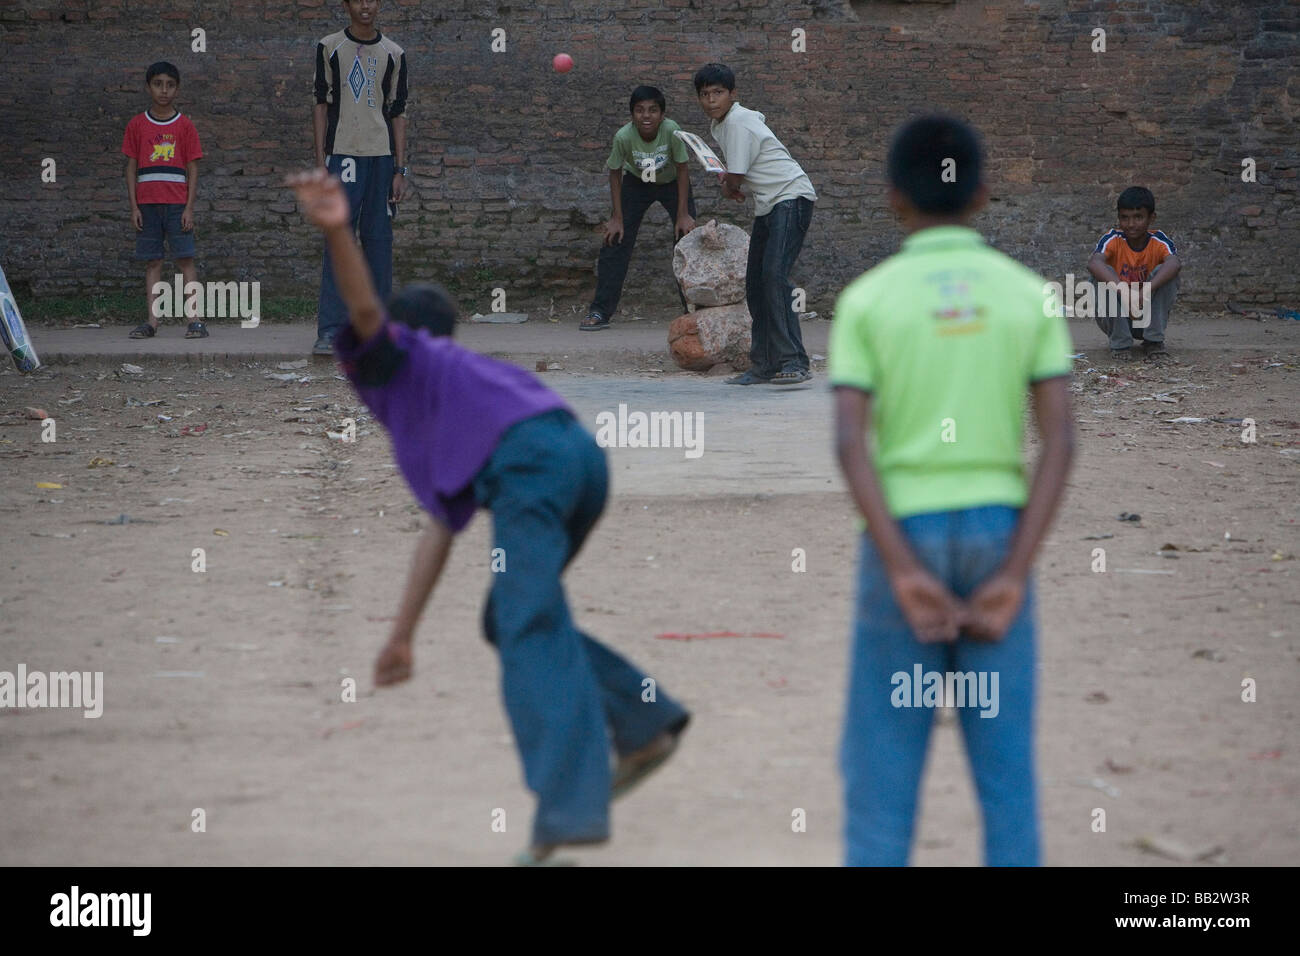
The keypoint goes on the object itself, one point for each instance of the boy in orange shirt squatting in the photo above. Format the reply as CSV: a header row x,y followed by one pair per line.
x,y
1131,253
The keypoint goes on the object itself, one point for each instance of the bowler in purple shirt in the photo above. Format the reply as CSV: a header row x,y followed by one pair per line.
x,y
468,432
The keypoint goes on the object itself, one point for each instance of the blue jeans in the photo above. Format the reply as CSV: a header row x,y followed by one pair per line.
x,y
368,198
884,745
566,695
776,343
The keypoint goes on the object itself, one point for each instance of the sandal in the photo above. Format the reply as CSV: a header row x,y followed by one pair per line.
x,y
594,322
541,856
791,377
197,330
633,768
1155,352
143,331
748,377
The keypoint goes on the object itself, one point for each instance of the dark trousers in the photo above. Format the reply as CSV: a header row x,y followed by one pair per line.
x,y
368,197
777,342
566,694
611,270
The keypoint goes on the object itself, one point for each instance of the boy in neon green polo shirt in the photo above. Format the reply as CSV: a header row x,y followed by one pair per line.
x,y
931,355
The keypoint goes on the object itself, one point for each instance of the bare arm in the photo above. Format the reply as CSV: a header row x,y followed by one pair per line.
x,y
731,185
685,223
426,567
1056,427
614,228
320,124
933,612
1101,270
399,155
616,193
356,288
996,602
326,207
431,551
191,192
1169,270
137,218
852,414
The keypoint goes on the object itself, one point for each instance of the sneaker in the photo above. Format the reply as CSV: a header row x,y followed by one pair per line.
x,y
324,346
1120,355
747,378
793,376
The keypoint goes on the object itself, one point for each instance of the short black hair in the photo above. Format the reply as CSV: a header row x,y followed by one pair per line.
x,y
162,68
711,74
423,305
917,163
1137,197
643,93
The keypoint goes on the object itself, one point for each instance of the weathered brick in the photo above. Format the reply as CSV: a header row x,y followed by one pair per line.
x,y
508,156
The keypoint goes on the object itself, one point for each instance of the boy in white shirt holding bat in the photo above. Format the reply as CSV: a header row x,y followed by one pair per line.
x,y
783,207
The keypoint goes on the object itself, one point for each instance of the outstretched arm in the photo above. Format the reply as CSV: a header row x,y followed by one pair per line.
x,y
394,663
326,206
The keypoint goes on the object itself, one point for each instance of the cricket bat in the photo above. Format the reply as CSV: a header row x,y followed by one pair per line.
x,y
707,157
13,332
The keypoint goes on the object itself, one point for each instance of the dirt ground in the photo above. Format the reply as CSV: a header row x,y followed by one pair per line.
x,y
223,688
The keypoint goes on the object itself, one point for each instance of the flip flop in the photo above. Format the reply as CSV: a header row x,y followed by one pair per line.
x,y
197,330
531,858
143,331
633,769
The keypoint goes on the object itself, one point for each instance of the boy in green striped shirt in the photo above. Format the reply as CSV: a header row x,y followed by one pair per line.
x,y
931,355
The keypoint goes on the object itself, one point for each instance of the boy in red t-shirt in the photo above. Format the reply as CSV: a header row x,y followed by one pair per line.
x,y
162,178
1133,253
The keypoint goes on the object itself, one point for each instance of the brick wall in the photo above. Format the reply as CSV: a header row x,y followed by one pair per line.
x,y
507,155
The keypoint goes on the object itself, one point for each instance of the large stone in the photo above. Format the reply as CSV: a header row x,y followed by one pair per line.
x,y
709,262
704,338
